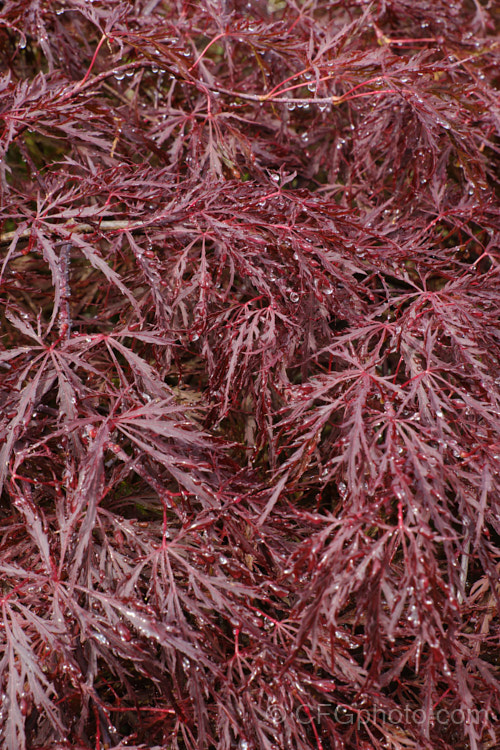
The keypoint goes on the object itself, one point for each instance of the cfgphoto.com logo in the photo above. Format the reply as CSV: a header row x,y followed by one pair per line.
x,y
344,714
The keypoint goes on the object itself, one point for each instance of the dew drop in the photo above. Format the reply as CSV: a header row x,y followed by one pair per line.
x,y
123,632
101,638
413,616
294,297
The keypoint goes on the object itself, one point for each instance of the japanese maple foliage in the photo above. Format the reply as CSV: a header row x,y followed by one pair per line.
x,y
249,374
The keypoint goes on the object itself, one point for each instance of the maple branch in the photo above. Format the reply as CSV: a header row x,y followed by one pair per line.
x,y
109,225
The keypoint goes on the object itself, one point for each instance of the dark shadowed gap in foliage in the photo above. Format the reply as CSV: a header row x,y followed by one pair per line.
x,y
249,375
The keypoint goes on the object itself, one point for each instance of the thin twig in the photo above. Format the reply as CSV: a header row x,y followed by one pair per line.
x,y
64,311
70,229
